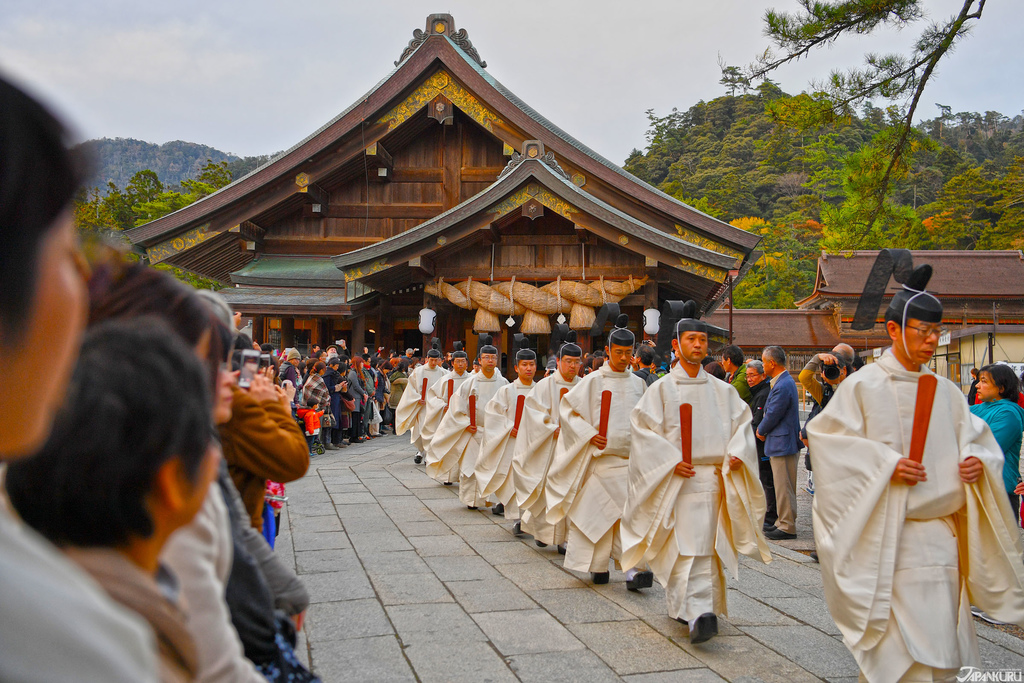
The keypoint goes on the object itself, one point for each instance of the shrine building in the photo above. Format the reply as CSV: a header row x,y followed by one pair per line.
x,y
440,189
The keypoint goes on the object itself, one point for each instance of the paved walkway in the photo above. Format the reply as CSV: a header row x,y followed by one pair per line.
x,y
407,584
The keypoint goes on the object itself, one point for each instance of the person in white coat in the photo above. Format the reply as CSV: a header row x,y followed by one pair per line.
x,y
587,480
411,414
694,502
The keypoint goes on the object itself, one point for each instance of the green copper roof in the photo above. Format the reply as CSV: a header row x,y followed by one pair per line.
x,y
290,271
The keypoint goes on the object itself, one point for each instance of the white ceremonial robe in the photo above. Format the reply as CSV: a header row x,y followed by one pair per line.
x,y
535,447
437,406
901,565
453,446
410,414
585,485
493,469
688,529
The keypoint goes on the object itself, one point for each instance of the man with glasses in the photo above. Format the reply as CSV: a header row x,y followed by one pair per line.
x,y
907,545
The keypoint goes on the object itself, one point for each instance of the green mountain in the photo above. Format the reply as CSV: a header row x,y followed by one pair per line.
x,y
804,190
117,160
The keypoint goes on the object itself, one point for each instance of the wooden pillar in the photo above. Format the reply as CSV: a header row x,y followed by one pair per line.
x,y
324,329
259,329
451,326
583,339
386,327
451,144
358,334
287,332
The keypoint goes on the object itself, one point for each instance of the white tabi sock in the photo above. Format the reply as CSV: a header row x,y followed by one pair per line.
x,y
630,573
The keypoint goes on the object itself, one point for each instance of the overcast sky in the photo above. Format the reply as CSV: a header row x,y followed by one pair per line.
x,y
256,76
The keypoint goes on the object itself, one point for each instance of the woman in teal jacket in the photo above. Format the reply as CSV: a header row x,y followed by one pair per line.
x,y
998,391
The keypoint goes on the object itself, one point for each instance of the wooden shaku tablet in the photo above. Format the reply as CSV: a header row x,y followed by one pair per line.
x,y
926,385
686,431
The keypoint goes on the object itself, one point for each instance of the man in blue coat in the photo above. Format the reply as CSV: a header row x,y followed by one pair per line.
x,y
780,431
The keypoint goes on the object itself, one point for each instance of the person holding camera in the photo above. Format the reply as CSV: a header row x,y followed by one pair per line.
x,y
834,368
819,378
824,369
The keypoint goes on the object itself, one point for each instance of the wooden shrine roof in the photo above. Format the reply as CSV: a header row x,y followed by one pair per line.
x,y
294,301
541,180
290,271
957,275
435,59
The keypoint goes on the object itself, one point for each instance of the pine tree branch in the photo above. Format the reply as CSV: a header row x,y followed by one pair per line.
x,y
897,152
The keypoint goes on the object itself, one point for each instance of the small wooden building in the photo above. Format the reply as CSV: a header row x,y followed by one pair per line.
x,y
982,294
441,189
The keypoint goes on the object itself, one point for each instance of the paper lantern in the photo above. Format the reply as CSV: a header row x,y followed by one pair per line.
x,y
427,318
651,321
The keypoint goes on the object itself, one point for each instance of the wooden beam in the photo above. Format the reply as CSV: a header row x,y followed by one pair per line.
x,y
380,211
249,231
332,246
417,175
544,273
175,245
483,174
381,159
314,194
422,265
651,264
541,240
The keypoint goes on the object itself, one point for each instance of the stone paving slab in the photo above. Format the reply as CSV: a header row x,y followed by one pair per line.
x,y
407,584
491,595
526,631
577,666
631,647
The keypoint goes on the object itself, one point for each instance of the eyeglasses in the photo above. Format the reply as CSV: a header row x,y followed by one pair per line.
x,y
930,330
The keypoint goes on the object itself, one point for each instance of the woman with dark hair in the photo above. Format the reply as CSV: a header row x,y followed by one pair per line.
x,y
998,389
715,369
123,470
335,386
57,624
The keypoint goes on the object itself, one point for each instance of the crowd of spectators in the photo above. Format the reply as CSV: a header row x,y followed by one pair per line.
x,y
142,481
134,540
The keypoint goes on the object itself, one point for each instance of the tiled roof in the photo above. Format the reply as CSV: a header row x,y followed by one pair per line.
x,y
981,274
294,271
753,329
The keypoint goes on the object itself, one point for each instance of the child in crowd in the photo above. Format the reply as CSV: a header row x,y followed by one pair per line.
x,y
310,416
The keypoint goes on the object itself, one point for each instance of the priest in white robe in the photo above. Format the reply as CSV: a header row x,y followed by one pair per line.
x,y
457,441
504,413
411,413
689,521
438,399
907,546
586,482
535,446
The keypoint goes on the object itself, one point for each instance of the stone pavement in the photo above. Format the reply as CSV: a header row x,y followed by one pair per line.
x,y
407,584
